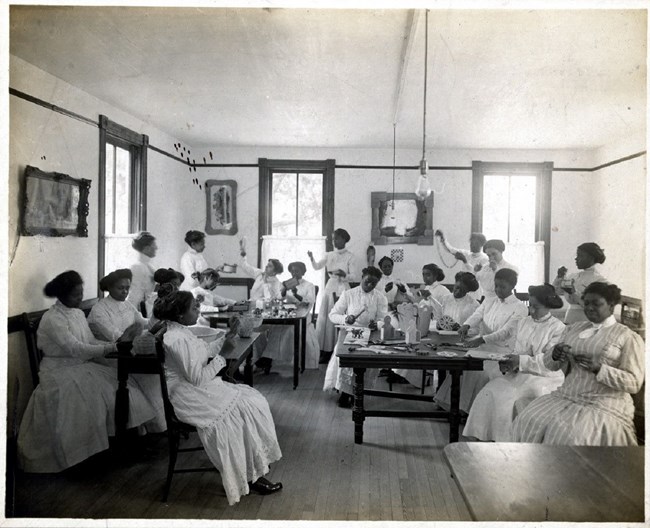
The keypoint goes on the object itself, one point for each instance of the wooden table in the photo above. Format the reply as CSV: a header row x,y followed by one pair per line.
x,y
148,364
299,323
536,482
360,360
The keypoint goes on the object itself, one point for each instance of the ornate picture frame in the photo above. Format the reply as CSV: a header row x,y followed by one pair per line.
x,y
221,207
409,222
54,204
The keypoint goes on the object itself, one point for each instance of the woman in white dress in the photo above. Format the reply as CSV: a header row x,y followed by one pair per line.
x,y
588,255
234,422
142,283
604,364
496,320
388,285
340,268
304,292
494,250
433,292
112,317
524,375
363,306
71,412
193,259
204,293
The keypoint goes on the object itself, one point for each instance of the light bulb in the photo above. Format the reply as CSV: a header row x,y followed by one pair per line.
x,y
423,189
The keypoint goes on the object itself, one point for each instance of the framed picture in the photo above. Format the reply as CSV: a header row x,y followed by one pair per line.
x,y
401,218
54,204
221,204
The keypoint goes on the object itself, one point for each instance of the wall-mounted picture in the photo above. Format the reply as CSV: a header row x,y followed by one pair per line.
x,y
54,204
401,218
221,200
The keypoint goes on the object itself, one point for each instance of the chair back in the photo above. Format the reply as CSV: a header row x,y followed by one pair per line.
x,y
30,322
170,415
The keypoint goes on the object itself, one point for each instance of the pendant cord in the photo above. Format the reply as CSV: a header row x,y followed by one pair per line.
x,y
426,57
393,200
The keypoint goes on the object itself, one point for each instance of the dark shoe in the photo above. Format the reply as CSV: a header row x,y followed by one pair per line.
x,y
265,364
395,378
267,367
345,400
238,376
385,372
324,358
264,486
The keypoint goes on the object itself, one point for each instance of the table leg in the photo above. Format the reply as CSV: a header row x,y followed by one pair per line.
x,y
296,352
454,411
303,343
248,369
358,414
121,401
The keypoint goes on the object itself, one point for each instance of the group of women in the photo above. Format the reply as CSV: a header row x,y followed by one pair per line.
x,y
555,383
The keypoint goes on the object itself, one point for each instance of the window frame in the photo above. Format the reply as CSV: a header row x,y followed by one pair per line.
x,y
269,166
137,144
543,173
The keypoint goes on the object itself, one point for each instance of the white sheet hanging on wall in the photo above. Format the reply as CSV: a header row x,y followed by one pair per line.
x,y
292,249
529,259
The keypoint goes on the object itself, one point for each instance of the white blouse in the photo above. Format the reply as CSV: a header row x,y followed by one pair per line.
x,y
580,281
351,302
486,275
459,309
142,283
264,287
534,338
66,339
109,318
338,259
191,262
498,320
306,290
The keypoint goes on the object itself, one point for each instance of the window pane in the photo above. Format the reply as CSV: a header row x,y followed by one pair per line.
x,y
522,209
109,190
122,190
310,205
495,206
283,208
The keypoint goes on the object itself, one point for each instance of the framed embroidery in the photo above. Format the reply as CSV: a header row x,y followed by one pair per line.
x,y
221,204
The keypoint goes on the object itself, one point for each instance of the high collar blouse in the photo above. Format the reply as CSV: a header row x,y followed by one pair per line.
x,y
498,319
109,318
191,262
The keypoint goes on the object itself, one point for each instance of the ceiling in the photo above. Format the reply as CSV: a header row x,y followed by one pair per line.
x,y
331,78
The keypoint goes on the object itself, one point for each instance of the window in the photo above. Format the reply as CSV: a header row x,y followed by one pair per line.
x,y
295,214
122,190
512,202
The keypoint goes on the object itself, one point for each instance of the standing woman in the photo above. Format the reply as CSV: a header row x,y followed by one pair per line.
x,y
604,363
340,268
234,422
71,412
362,306
193,260
494,250
142,283
524,375
573,286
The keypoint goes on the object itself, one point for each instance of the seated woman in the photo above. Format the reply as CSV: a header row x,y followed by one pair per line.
x,y
363,306
167,280
303,292
113,317
204,292
572,286
459,306
234,422
604,364
388,284
525,376
496,320
71,412
433,293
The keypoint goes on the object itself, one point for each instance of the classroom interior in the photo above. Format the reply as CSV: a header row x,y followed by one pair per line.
x,y
232,94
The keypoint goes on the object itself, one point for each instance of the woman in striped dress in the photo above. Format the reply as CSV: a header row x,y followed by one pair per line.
x,y
604,363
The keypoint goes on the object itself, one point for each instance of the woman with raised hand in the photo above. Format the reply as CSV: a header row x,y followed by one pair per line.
x,y
71,412
340,268
193,260
494,250
604,362
362,306
572,286
524,375
141,293
433,292
234,422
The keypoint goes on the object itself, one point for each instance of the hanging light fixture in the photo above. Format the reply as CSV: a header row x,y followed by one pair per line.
x,y
423,189
391,220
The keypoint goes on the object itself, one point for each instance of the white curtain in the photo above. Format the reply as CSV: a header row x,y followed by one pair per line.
x,y
529,259
292,249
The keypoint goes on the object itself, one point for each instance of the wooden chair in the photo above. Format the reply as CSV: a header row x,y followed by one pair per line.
x,y
175,429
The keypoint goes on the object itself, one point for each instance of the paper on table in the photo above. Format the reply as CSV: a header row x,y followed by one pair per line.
x,y
485,354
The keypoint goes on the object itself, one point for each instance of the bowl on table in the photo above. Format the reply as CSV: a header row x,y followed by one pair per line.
x,y
205,333
248,323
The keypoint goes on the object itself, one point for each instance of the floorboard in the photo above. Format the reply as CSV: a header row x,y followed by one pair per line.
x,y
398,474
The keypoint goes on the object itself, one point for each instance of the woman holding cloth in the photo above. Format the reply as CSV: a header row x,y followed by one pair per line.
x,y
340,268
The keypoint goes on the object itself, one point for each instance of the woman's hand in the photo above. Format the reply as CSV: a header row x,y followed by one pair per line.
x,y
462,332
233,327
350,319
294,292
478,268
283,291
388,287
493,265
590,363
340,273
440,234
424,293
474,342
310,255
461,257
561,272
131,332
510,364
372,325
561,352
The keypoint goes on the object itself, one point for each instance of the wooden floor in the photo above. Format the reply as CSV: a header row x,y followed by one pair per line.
x,y
398,474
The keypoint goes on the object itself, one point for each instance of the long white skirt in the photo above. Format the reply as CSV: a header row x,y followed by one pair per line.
x,y
471,383
240,439
342,379
280,345
71,414
325,329
493,410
